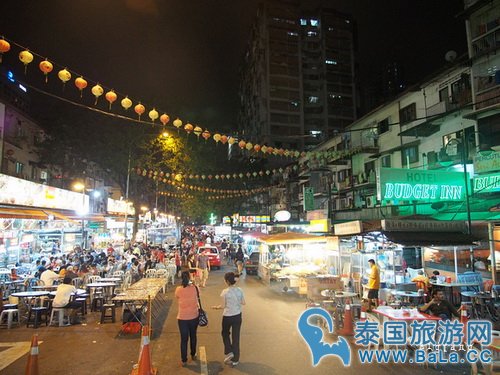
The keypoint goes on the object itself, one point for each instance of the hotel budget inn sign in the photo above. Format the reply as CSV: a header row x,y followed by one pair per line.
x,y
420,185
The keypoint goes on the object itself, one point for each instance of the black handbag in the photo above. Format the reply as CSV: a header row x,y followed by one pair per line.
x,y
202,315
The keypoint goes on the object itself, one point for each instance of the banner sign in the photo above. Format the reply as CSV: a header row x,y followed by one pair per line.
x,y
420,185
351,227
20,192
487,183
423,226
487,163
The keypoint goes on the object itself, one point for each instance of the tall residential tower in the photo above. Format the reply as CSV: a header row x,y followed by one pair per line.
x,y
298,78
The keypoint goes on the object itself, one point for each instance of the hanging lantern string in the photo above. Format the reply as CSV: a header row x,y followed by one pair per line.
x,y
97,110
257,148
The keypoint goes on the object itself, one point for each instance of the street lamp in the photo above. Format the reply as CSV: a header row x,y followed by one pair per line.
x,y
79,186
460,143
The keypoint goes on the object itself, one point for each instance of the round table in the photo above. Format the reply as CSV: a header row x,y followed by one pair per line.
x,y
33,294
109,280
44,287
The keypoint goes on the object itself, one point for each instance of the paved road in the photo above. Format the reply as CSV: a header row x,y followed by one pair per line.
x,y
270,342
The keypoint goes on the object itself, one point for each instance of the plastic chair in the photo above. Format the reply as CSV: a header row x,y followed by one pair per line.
x,y
61,313
151,273
10,313
77,282
93,279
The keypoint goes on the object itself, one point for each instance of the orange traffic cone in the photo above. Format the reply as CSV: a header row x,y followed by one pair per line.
x,y
348,329
32,365
144,367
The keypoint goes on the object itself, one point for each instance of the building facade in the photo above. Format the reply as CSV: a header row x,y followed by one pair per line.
x,y
298,80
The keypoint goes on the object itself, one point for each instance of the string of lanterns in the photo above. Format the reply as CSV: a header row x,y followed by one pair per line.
x,y
180,185
190,176
65,75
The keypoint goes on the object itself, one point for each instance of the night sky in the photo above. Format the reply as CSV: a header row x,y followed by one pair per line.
x,y
184,56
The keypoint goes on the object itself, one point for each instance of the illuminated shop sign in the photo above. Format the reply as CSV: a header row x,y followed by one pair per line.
x,y
120,207
420,185
26,193
487,163
239,219
487,183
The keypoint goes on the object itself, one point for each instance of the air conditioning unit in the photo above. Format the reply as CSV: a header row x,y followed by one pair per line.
x,y
371,201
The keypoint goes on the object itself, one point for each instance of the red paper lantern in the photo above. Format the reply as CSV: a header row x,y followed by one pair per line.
x,y
111,97
188,128
164,119
4,47
46,67
205,134
242,144
223,139
80,83
139,109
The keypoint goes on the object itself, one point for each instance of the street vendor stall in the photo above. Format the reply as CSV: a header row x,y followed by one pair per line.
x,y
301,261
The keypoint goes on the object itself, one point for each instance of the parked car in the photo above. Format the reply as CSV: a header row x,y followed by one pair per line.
x,y
213,255
252,263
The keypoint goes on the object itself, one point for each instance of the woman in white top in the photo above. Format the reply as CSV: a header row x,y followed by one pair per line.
x,y
231,319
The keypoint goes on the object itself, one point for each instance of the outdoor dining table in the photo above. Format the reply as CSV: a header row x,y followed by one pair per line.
x,y
15,285
109,280
406,315
26,297
44,287
450,286
107,289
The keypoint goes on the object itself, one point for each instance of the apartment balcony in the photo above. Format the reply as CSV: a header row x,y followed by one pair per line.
x,y
440,108
489,97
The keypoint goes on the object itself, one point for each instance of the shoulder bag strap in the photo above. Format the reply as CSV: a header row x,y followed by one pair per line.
x,y
198,295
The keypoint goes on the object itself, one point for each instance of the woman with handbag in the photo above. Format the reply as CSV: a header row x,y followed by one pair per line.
x,y
231,319
187,315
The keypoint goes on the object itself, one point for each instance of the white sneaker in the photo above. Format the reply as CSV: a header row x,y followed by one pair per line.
x,y
235,363
228,358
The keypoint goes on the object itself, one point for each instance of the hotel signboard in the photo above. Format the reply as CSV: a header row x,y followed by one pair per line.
x,y
420,185
488,183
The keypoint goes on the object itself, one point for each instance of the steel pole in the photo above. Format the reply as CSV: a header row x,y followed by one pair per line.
x,y
126,196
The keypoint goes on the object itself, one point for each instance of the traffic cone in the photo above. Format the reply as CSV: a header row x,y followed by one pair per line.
x,y
348,329
32,365
144,367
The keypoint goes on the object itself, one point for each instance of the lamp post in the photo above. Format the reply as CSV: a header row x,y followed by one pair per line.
x,y
79,186
463,161
126,195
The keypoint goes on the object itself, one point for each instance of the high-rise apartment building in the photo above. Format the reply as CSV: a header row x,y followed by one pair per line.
x,y
298,80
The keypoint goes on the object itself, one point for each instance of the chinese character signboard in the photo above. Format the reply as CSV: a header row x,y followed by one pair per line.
x,y
420,185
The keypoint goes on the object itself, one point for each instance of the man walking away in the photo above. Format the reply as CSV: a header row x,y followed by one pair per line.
x,y
203,265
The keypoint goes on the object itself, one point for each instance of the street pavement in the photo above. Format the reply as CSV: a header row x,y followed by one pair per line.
x,y
270,342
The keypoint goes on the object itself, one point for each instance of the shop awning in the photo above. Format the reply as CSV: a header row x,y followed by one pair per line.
x,y
31,213
430,238
292,238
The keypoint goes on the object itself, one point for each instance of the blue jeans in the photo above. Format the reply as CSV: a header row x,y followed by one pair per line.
x,y
187,329
231,326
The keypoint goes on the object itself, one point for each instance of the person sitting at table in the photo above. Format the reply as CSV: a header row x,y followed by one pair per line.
x,y
63,298
48,277
439,306
13,275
